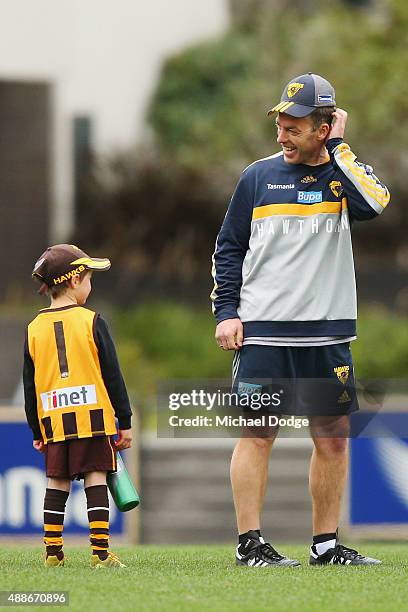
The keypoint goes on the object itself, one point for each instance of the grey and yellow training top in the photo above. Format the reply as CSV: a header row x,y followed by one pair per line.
x,y
283,261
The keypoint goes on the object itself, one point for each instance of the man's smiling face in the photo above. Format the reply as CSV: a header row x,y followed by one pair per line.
x,y
301,142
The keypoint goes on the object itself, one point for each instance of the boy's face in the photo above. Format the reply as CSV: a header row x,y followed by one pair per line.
x,y
82,287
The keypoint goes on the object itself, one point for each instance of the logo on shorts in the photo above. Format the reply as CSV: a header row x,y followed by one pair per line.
x,y
245,388
343,373
68,397
344,397
309,197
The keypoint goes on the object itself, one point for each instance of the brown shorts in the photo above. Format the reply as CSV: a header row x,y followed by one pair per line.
x,y
74,458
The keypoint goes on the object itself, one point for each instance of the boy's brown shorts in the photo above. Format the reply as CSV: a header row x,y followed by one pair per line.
x,y
74,458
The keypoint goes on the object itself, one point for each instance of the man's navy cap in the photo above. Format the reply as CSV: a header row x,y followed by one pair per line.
x,y
303,94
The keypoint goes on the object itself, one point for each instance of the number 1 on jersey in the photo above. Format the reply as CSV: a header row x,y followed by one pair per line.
x,y
61,348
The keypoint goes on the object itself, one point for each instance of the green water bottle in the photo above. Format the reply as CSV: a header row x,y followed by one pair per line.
x,y
122,488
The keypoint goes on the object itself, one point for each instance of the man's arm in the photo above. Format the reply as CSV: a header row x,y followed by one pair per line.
x,y
366,195
113,379
230,250
30,397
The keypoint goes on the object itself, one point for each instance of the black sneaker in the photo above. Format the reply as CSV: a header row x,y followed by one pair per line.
x,y
255,552
340,555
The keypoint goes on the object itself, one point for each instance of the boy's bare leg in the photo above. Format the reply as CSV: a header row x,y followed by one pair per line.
x,y
63,484
249,476
93,479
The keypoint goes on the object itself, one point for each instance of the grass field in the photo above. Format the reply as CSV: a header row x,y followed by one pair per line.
x,y
205,578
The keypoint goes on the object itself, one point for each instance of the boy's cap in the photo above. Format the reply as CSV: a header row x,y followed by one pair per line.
x,y
62,261
303,94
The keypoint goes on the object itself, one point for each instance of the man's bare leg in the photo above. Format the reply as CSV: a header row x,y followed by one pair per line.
x,y
328,471
249,476
328,474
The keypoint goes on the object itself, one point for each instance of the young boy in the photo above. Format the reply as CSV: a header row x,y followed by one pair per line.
x,y
73,391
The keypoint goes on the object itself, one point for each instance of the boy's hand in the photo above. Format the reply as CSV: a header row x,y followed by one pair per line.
x,y
124,440
39,446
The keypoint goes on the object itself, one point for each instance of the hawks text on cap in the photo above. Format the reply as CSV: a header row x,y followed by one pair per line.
x,y
61,262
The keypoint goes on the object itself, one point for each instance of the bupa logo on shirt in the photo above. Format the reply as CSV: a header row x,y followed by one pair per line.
x,y
69,397
309,197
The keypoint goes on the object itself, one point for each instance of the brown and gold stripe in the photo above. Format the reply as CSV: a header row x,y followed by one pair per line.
x,y
69,424
49,434
97,422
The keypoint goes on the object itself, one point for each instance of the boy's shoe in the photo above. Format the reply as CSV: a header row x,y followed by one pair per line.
x,y
110,561
255,552
53,561
340,555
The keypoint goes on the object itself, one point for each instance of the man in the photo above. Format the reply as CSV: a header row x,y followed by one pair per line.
x,y
285,301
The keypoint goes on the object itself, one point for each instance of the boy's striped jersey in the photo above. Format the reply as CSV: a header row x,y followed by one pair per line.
x,y
72,381
283,261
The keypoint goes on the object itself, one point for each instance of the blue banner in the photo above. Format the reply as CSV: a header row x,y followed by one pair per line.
x,y
22,488
379,475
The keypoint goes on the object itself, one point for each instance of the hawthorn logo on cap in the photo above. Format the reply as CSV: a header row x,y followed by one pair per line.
x,y
293,88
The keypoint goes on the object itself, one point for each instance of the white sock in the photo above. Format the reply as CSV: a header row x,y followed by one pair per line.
x,y
324,546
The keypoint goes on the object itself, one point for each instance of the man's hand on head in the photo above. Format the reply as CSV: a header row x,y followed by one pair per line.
x,y
230,334
339,124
